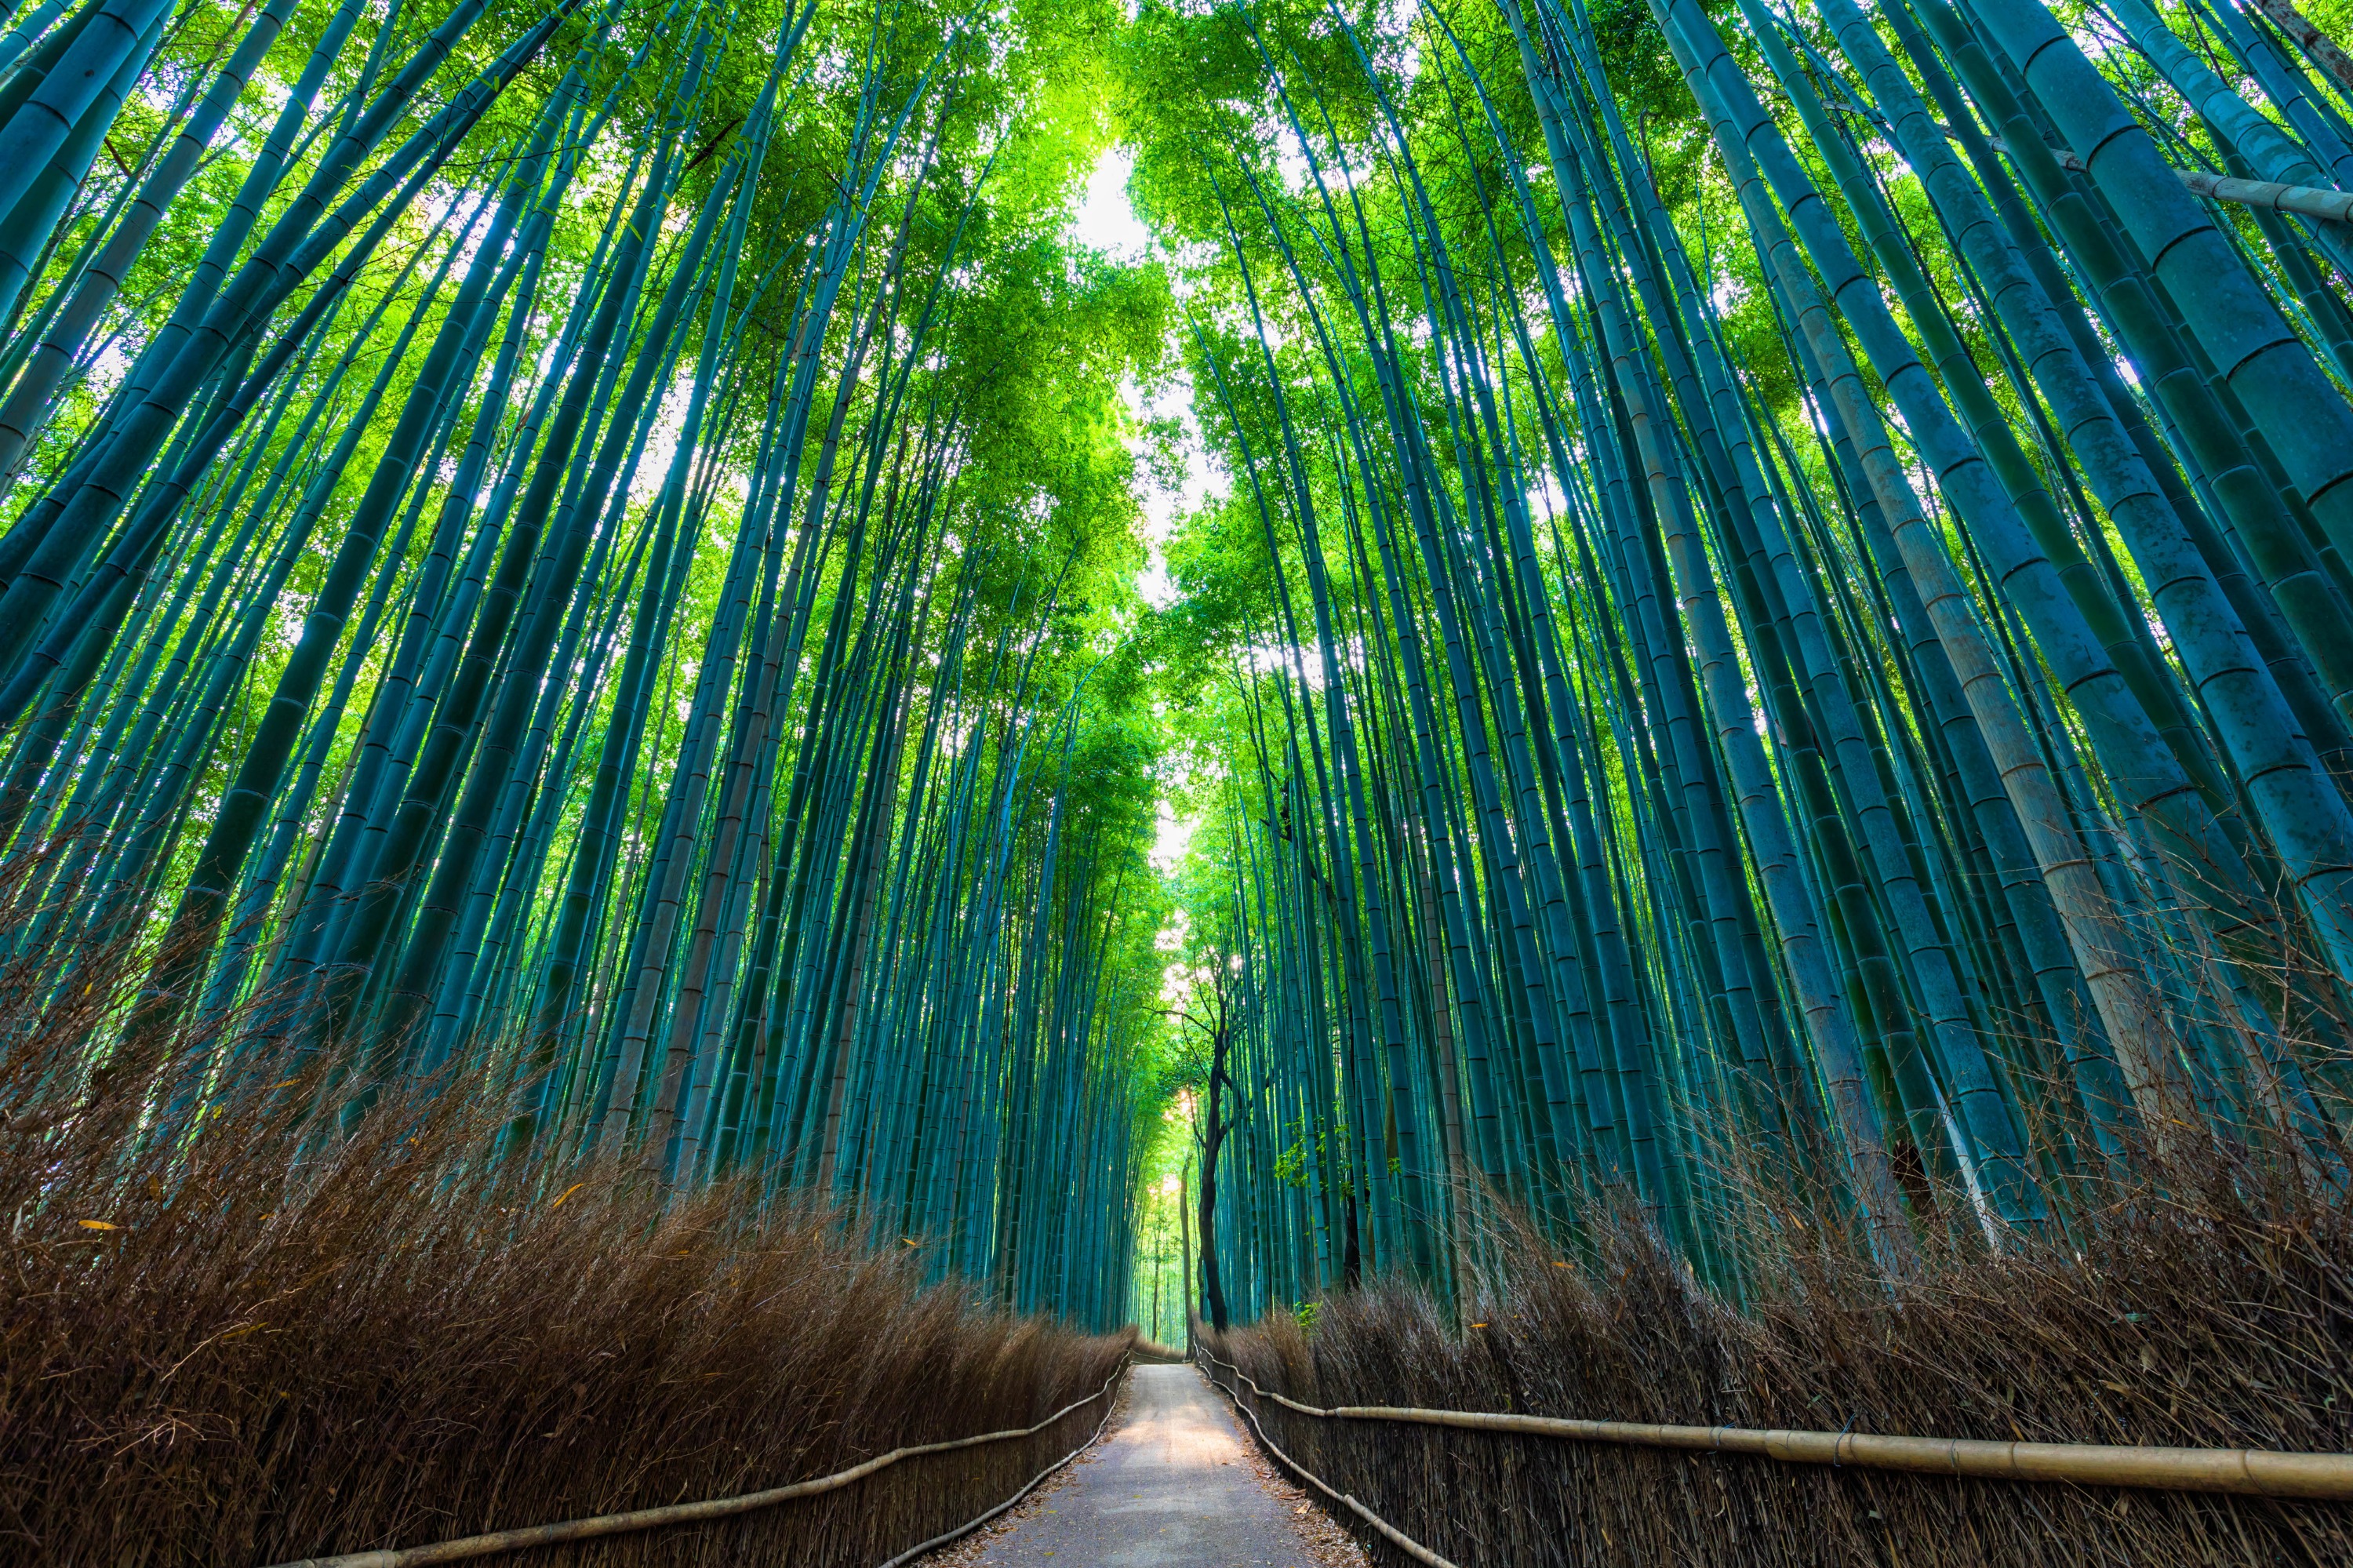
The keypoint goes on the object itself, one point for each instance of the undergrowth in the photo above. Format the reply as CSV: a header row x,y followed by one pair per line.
x,y
2197,1321
232,1335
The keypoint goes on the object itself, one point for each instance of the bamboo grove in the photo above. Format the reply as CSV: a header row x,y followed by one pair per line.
x,y
1768,659
1776,648
579,554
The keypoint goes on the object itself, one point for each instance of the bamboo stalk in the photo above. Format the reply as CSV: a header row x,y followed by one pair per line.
x,y
2335,206
2319,45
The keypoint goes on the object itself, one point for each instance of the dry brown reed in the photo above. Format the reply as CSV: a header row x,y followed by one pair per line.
x,y
263,1340
2194,1322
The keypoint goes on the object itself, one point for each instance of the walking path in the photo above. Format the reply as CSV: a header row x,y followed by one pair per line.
x,y
1175,1482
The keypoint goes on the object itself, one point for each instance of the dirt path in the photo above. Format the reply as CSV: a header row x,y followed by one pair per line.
x,y
1174,1482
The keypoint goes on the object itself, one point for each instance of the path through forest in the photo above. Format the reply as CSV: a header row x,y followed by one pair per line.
x,y
1174,1482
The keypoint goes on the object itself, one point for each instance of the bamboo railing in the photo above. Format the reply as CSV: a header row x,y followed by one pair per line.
x,y
2246,1472
500,1541
1395,1537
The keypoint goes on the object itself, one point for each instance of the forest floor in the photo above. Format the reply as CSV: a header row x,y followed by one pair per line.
x,y
1174,1482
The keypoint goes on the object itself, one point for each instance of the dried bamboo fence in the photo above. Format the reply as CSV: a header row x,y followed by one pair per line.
x,y
2245,1472
400,1348
773,1500
2159,1343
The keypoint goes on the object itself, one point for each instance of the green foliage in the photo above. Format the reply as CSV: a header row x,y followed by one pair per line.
x,y
594,551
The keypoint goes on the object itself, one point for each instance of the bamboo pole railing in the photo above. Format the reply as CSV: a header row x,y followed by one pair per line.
x,y
968,1526
499,1541
2245,1472
1395,1537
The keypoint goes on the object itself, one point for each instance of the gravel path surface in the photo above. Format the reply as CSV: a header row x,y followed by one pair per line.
x,y
1174,1482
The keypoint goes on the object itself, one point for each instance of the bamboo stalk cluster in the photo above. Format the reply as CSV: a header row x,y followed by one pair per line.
x,y
1799,671
1776,656
532,564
